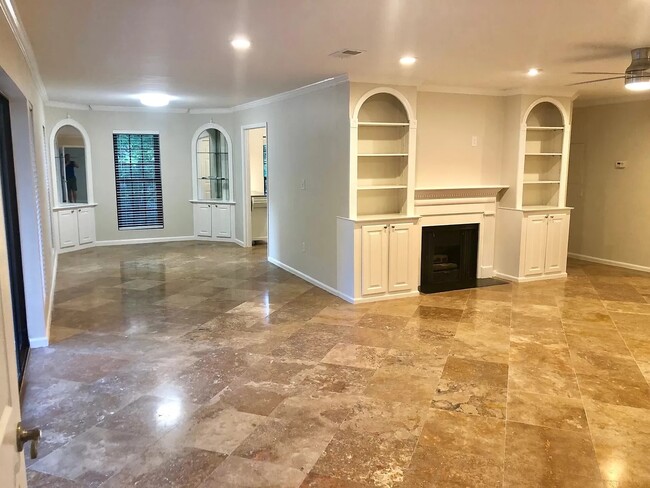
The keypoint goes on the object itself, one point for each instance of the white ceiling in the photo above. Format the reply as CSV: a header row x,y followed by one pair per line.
x,y
105,51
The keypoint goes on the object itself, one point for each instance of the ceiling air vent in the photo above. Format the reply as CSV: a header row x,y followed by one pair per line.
x,y
346,53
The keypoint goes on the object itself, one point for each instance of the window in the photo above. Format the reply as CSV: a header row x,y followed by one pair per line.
x,y
138,183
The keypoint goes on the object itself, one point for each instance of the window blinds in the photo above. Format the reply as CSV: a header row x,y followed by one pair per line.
x,y
138,184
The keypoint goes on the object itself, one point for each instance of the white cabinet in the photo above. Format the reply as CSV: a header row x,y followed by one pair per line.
x,y
399,257
213,221
74,227
68,233
387,252
546,243
374,259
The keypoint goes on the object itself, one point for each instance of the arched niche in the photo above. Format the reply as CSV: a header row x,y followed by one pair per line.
x,y
545,112
212,164
383,104
71,164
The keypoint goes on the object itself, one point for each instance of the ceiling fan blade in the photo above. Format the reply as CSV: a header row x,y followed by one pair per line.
x,y
595,73
596,81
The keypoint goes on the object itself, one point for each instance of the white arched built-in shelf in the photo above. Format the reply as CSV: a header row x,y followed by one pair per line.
x,y
73,222
57,193
544,155
382,155
212,183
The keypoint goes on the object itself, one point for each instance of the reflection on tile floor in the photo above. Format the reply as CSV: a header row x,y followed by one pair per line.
x,y
201,365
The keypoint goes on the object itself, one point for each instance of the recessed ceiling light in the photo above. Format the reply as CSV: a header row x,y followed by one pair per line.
x,y
407,60
155,99
240,43
534,71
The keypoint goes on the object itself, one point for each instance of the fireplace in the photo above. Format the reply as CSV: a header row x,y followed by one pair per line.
x,y
449,257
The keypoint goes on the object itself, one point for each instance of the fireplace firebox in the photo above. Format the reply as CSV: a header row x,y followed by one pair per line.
x,y
449,257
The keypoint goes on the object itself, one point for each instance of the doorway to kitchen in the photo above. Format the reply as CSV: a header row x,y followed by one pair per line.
x,y
256,184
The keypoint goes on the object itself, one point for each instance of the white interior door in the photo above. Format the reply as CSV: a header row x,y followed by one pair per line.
x,y
399,255
12,464
556,243
535,253
374,259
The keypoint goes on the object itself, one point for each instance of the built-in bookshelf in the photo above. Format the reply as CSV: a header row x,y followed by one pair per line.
x,y
543,159
382,153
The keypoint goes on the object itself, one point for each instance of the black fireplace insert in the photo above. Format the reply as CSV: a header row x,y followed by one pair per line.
x,y
449,257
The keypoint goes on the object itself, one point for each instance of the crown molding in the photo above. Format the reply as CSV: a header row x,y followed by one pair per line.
x,y
18,30
541,92
67,105
303,90
461,90
594,102
208,111
119,108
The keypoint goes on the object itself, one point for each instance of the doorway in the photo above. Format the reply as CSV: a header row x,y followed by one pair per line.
x,y
256,184
12,231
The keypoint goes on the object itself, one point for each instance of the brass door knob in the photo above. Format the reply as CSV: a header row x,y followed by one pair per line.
x,y
28,435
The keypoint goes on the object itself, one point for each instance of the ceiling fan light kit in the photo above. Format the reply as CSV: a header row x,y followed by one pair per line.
x,y
637,74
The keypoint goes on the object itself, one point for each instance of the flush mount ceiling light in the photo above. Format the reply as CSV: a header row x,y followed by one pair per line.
x,y
407,60
534,71
155,99
240,43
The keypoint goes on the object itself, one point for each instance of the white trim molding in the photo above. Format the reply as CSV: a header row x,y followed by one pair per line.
x,y
20,34
309,279
609,262
147,240
457,192
528,279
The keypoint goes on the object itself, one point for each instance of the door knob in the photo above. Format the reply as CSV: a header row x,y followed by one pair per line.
x,y
28,435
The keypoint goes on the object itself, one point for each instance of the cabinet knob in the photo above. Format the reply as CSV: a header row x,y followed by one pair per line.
x,y
552,216
386,226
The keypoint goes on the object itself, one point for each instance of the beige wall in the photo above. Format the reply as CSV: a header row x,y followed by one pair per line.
x,y
308,138
17,84
446,125
176,132
611,219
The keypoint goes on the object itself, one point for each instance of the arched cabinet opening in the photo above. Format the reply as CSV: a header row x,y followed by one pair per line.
x,y
544,156
213,205
383,156
73,200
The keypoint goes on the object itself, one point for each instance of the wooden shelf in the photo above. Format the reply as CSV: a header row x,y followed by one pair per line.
x,y
544,128
384,217
385,155
383,124
381,187
544,154
542,182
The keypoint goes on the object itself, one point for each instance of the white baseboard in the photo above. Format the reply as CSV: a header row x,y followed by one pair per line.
x,y
609,262
307,278
238,242
528,279
381,298
38,342
149,240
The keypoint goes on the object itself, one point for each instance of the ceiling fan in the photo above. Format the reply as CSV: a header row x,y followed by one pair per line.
x,y
637,74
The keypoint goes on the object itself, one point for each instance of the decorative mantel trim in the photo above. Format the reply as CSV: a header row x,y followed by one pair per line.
x,y
459,192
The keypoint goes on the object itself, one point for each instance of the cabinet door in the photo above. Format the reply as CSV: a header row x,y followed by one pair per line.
x,y
557,242
374,259
203,220
535,252
86,225
68,235
399,257
221,220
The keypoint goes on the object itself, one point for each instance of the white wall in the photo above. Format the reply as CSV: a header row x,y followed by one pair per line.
x,y
18,85
308,138
176,132
611,219
446,125
256,159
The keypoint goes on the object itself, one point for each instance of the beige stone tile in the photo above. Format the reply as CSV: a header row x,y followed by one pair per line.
x,y
236,472
481,342
375,320
537,456
547,411
438,313
395,383
356,356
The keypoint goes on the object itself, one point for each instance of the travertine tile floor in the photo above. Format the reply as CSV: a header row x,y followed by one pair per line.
x,y
201,365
